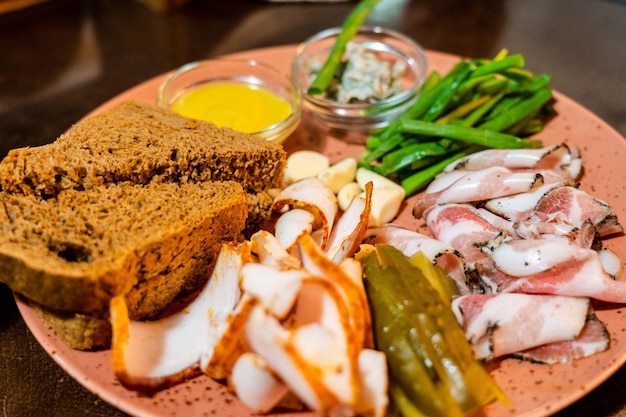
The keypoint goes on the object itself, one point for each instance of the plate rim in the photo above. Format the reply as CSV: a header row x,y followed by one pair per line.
x,y
143,89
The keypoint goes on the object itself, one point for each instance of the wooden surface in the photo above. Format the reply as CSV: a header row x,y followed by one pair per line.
x,y
61,59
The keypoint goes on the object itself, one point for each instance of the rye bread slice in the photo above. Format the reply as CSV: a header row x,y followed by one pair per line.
x,y
141,143
151,242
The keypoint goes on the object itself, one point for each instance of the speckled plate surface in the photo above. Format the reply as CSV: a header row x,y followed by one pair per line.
x,y
535,390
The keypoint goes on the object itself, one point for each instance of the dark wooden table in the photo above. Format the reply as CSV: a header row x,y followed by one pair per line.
x,y
62,58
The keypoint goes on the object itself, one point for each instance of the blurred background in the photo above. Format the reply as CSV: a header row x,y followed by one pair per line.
x,y
61,58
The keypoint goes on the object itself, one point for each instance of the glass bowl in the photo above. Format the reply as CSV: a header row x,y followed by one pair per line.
x,y
242,77
387,45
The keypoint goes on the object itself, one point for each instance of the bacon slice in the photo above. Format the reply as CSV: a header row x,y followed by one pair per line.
x,y
311,194
271,341
593,338
373,398
555,228
550,157
350,228
275,288
255,384
546,267
579,206
520,206
480,185
291,225
269,251
502,324
459,226
152,355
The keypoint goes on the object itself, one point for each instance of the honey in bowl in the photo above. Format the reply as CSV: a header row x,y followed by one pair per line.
x,y
242,107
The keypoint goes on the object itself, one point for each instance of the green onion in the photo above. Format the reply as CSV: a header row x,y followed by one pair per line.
x,y
479,136
349,28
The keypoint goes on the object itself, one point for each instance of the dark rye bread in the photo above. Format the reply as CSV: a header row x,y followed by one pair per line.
x,y
142,143
152,242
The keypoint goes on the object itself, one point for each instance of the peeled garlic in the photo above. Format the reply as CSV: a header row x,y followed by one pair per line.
x,y
347,193
386,203
363,176
304,164
339,174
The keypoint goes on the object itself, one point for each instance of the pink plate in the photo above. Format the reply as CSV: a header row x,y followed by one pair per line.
x,y
535,390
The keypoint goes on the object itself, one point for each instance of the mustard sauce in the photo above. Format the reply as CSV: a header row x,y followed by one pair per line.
x,y
239,106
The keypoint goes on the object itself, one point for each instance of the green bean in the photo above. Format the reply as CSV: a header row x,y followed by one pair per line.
x,y
409,154
499,65
479,136
349,28
497,85
463,110
420,179
519,111
446,90
539,82
506,104
480,112
472,83
372,142
519,74
385,146
426,96
532,127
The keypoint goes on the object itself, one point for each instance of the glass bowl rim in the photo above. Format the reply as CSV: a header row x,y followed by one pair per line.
x,y
294,97
419,64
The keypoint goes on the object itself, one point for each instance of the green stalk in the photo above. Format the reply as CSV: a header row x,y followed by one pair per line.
x,y
507,102
472,83
349,28
479,136
480,112
426,97
519,74
502,53
497,85
537,83
519,111
463,110
511,61
372,142
420,179
446,90
532,127
407,155
386,146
